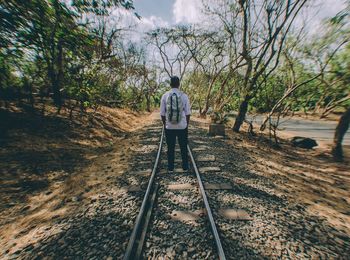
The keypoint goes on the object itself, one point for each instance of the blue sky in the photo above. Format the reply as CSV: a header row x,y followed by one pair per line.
x,y
159,8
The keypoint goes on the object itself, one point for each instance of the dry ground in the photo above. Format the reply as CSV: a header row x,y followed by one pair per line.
x,y
310,177
51,165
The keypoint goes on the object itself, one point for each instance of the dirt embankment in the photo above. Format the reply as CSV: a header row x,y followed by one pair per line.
x,y
50,162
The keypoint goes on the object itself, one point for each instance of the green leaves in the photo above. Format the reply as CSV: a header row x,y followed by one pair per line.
x,y
54,38
100,7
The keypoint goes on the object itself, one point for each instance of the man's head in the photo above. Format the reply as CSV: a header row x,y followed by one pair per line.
x,y
174,82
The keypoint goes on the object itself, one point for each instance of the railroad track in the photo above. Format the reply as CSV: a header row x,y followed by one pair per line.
x,y
151,215
101,228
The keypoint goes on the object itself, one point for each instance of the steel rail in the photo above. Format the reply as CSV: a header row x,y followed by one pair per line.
x,y
132,245
207,207
147,219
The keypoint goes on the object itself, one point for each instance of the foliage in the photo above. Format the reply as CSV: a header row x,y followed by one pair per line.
x,y
50,48
72,50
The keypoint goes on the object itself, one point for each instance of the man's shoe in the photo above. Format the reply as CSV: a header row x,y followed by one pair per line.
x,y
186,169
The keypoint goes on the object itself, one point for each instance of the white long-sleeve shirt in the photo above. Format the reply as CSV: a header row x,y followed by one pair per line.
x,y
186,109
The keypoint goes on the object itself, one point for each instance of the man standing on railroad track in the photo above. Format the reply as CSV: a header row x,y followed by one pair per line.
x,y
175,112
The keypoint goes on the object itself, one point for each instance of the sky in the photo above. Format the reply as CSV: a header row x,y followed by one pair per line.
x,y
169,12
166,13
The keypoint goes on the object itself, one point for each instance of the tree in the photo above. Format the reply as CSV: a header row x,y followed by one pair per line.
x,y
53,32
342,127
209,59
257,30
174,57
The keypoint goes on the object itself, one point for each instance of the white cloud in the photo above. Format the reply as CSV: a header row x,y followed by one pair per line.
x,y
186,11
316,12
136,27
330,8
190,11
152,22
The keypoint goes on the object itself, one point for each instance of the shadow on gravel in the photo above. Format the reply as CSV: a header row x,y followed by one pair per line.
x,y
81,237
251,192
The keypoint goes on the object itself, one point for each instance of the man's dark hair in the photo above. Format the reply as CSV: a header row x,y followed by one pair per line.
x,y
174,82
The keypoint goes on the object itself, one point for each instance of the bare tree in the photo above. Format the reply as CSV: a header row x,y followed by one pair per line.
x,y
258,30
209,60
175,58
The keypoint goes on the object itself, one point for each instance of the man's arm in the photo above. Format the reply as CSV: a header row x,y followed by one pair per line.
x,y
163,110
187,110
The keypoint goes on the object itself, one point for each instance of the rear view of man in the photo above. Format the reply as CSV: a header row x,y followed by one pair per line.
x,y
175,113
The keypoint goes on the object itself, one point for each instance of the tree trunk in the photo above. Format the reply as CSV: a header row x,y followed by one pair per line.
x,y
59,77
55,80
203,113
148,103
243,108
342,127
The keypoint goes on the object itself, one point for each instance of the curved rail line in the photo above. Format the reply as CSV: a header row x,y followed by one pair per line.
x,y
136,241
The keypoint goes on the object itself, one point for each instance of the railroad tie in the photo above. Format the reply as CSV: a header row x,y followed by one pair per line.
x,y
206,158
176,170
207,186
209,169
232,214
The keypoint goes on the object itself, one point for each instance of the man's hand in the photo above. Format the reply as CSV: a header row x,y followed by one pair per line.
x,y
163,120
188,119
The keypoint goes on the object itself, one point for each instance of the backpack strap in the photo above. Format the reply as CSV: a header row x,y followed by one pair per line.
x,y
171,106
177,108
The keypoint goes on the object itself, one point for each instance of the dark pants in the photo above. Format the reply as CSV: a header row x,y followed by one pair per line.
x,y
181,135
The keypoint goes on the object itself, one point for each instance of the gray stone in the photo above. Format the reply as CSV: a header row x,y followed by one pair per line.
x,y
191,249
303,142
217,129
